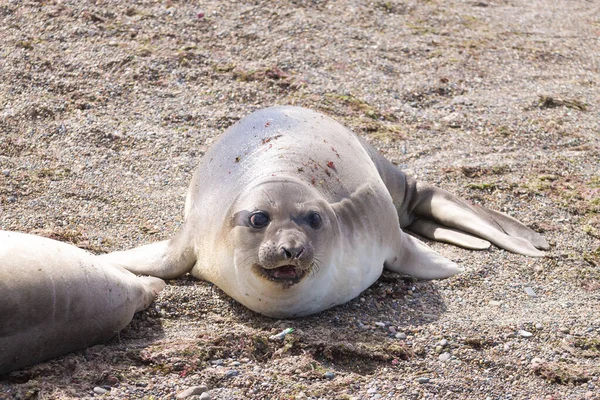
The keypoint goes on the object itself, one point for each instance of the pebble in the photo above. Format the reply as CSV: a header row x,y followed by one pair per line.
x,y
536,361
99,390
204,396
231,373
380,324
400,335
564,330
444,356
495,303
372,390
524,334
329,375
11,199
423,380
530,292
6,172
539,326
192,391
443,343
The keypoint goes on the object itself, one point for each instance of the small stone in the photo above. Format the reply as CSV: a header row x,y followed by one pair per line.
x,y
328,375
99,390
6,172
11,199
231,373
372,390
204,396
524,334
443,343
380,324
192,391
438,349
530,292
495,303
444,356
536,361
400,335
539,326
423,380
564,330
178,366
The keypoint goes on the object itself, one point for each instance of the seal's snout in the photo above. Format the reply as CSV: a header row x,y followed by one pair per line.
x,y
286,260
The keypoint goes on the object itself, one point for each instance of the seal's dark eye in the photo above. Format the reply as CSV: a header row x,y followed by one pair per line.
x,y
259,219
314,220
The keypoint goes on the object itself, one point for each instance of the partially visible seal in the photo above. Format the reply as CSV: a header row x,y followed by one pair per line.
x,y
56,298
290,213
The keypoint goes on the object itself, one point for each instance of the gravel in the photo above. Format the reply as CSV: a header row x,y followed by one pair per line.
x,y
106,108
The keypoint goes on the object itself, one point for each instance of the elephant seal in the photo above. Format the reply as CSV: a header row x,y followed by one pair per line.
x,y
56,298
290,213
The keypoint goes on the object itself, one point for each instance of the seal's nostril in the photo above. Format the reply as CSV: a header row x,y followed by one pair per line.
x,y
286,253
292,253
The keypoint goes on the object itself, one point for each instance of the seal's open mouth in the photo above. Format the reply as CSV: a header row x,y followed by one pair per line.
x,y
286,274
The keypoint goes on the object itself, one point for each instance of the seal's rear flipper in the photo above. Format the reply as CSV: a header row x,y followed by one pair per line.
x,y
439,215
168,259
444,209
439,233
413,257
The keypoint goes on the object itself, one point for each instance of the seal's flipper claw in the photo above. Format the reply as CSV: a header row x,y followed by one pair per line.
x,y
440,233
413,257
438,205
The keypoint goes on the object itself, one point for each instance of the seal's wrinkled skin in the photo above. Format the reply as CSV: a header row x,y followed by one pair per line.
x,y
290,213
56,298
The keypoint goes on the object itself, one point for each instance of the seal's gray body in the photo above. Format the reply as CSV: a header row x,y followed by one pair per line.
x,y
287,161
56,298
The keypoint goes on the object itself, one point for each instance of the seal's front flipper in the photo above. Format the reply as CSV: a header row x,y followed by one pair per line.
x,y
440,233
435,204
413,257
168,259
